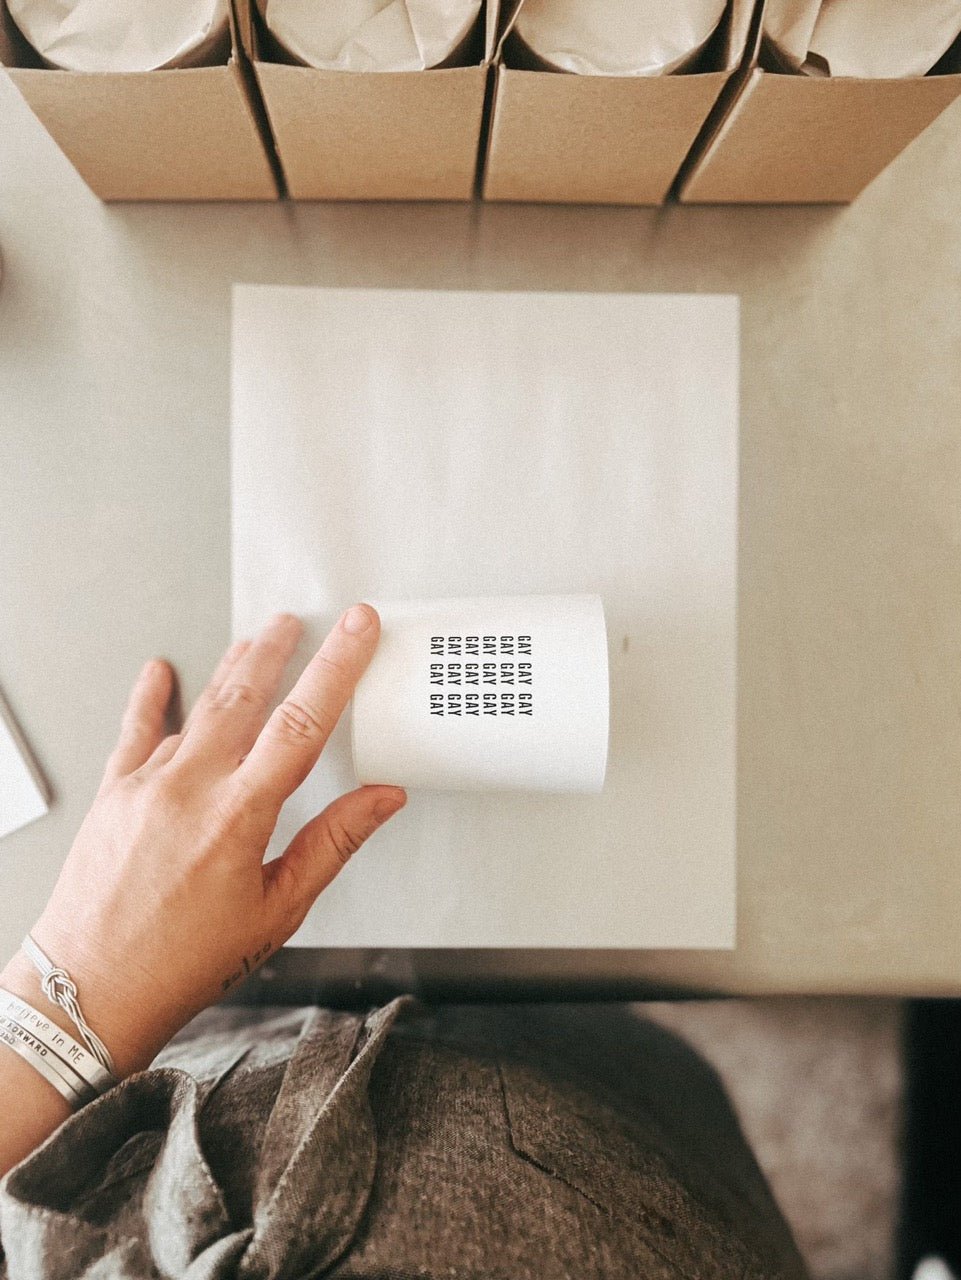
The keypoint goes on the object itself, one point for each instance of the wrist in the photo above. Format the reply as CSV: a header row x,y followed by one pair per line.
x,y
31,1106
130,1049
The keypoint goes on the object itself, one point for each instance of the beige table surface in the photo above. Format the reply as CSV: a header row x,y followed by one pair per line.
x,y
114,520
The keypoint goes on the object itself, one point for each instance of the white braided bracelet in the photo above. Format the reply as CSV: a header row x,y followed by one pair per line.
x,y
61,990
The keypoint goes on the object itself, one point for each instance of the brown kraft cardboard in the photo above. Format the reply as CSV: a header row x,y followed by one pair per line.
x,y
786,138
173,134
387,135
599,139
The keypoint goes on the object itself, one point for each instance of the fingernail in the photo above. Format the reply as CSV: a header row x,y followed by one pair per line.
x,y
388,806
357,619
283,621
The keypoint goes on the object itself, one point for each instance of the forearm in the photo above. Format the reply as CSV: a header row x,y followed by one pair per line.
x,y
32,1105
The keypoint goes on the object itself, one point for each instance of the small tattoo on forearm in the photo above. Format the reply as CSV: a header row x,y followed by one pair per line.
x,y
247,965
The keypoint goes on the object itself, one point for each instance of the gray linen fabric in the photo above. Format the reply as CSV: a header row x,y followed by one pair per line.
x,y
461,1143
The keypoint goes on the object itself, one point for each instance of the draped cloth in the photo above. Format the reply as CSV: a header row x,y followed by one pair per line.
x,y
525,1142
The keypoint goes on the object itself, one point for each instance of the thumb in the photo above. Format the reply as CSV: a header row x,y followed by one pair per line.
x,y
325,845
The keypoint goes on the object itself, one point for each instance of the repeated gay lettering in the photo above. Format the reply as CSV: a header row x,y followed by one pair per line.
x,y
481,675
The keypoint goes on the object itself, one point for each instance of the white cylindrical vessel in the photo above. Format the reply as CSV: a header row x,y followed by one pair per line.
x,y
124,35
614,37
486,694
371,35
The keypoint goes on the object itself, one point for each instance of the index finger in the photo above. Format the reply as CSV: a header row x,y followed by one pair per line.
x,y
290,743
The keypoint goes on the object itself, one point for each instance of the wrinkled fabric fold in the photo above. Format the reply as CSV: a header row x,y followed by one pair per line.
x,y
479,1144
124,1189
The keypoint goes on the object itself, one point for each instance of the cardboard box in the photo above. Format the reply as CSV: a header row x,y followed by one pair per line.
x,y
351,135
786,139
189,134
557,137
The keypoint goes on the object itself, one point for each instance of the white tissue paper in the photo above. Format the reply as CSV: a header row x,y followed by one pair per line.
x,y
419,445
883,39
122,35
370,35
616,37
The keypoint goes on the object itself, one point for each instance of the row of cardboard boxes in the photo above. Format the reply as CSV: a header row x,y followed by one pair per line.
x,y
733,131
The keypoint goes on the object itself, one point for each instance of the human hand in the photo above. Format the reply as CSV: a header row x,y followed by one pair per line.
x,y
164,901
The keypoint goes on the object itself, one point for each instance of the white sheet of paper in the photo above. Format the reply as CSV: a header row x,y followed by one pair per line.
x,y
428,444
22,792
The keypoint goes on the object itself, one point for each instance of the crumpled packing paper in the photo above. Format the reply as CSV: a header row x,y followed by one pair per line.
x,y
123,35
615,37
371,35
884,39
